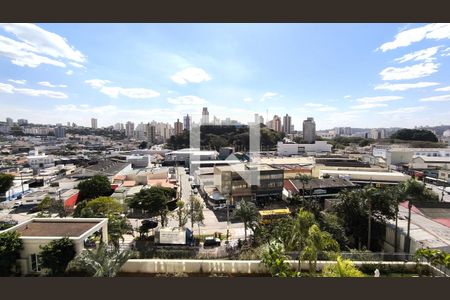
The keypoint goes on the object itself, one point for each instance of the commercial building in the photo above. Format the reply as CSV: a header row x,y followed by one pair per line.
x,y
444,175
287,124
364,177
183,156
343,131
288,149
9,122
309,130
256,182
259,119
38,232
429,162
318,188
94,124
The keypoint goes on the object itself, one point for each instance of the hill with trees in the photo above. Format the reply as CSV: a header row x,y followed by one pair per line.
x,y
415,135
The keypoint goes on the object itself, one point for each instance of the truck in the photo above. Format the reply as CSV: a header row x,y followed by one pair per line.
x,y
173,236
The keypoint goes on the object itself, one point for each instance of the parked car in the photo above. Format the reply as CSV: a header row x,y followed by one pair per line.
x,y
17,204
211,241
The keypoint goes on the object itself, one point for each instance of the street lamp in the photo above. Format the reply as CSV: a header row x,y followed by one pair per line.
x,y
228,215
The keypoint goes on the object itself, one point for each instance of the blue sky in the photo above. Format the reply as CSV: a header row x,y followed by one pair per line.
x,y
359,75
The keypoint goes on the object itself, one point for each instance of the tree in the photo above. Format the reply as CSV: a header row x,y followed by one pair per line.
x,y
10,247
99,263
415,135
304,179
143,145
331,223
6,182
49,206
273,257
94,187
342,268
182,213
101,207
317,242
56,255
153,200
107,207
249,215
196,213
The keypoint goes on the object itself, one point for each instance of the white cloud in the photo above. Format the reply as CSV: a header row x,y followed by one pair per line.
x,y
410,72
23,55
424,54
10,89
191,74
347,96
69,72
267,96
404,86
48,84
187,100
18,81
442,98
378,99
368,105
248,99
321,107
35,46
443,89
446,52
403,110
405,38
115,91
76,65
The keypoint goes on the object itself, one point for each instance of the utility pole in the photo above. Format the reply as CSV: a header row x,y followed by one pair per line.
x,y
228,216
408,240
369,221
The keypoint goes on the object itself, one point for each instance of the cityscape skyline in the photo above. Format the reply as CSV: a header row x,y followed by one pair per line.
x,y
393,76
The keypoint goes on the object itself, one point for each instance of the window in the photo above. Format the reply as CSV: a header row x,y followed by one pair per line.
x,y
35,264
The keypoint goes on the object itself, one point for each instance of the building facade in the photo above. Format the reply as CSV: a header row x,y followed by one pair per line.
x,y
287,124
94,124
309,130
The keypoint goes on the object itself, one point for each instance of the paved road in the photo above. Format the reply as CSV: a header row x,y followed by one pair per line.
x,y
211,223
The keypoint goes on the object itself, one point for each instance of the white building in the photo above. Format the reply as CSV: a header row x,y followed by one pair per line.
x,y
38,232
40,160
94,123
319,147
184,155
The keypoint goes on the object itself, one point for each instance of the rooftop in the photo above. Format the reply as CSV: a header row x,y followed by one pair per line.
x,y
56,227
246,167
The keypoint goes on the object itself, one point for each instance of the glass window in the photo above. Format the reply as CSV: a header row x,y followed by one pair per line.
x,y
35,265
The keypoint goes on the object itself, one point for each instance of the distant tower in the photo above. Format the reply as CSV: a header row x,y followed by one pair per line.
x,y
187,122
178,127
129,129
205,116
309,130
94,123
276,123
287,124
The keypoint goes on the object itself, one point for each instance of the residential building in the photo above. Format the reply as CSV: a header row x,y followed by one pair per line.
x,y
40,160
119,127
94,123
38,232
178,127
276,123
205,116
259,119
129,129
287,124
9,122
60,132
183,156
427,162
22,122
150,131
444,175
309,130
318,147
187,122
343,131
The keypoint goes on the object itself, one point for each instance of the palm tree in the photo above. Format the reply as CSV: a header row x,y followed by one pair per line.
x,y
342,268
413,190
248,213
369,193
100,263
304,179
397,194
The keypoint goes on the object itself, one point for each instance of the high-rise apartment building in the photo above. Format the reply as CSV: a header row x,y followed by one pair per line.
x,y
9,122
187,122
205,116
259,119
178,126
94,123
309,130
129,129
287,124
60,132
276,123
150,132
22,121
118,127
